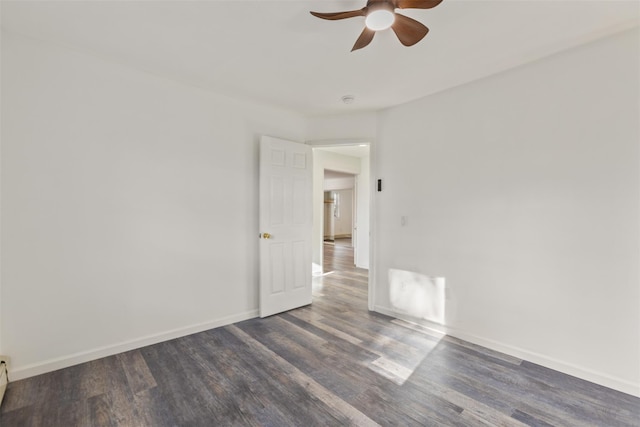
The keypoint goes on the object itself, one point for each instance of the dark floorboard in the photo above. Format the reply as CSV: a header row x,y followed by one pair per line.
x,y
329,364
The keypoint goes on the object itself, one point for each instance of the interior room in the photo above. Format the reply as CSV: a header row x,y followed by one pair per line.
x,y
493,272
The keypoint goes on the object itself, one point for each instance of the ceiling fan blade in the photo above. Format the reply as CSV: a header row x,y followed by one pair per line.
x,y
339,15
365,38
416,4
409,31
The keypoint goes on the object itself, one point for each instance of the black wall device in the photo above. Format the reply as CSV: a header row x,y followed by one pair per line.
x,y
379,185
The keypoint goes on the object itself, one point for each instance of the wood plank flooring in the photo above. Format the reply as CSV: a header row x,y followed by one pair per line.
x,y
329,364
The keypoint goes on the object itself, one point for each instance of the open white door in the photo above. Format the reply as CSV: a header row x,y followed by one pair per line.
x,y
285,225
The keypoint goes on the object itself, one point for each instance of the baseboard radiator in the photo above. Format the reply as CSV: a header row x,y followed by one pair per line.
x,y
4,376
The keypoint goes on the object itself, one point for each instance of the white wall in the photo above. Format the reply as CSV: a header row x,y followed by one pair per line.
x,y
338,183
343,224
129,206
362,214
522,190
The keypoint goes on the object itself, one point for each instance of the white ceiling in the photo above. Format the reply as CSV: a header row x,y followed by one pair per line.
x,y
277,53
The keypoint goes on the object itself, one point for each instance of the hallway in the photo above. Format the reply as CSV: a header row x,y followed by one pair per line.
x,y
342,284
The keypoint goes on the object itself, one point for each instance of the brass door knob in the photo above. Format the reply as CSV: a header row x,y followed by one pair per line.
x,y
266,235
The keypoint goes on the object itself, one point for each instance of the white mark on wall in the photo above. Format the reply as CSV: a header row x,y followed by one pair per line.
x,y
417,295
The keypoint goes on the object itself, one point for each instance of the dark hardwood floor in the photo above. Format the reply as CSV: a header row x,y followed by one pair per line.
x,y
329,364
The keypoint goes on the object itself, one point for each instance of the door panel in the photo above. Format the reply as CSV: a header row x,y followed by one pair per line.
x,y
285,225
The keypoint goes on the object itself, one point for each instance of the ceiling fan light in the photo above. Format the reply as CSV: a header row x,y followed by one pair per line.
x,y
380,19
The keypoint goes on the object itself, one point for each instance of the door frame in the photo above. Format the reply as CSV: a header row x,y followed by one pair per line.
x,y
371,288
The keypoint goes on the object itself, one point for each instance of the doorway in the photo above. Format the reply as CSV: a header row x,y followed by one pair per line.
x,y
341,208
339,213
289,184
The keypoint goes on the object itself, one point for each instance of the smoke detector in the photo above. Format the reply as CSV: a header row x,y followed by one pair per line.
x,y
348,99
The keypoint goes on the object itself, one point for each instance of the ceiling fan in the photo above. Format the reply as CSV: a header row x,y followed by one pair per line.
x,y
380,15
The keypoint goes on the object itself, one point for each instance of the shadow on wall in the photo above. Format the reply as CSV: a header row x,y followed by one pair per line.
x,y
417,295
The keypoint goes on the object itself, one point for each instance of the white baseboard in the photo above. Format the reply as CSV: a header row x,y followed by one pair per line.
x,y
537,358
21,372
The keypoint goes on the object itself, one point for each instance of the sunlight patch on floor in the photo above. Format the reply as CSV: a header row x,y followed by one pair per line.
x,y
391,370
399,371
316,271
